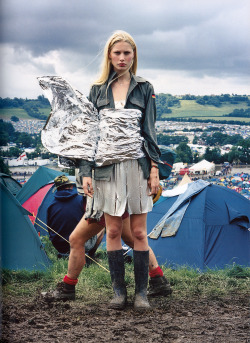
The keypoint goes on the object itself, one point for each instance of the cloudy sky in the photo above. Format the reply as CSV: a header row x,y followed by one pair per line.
x,y
185,46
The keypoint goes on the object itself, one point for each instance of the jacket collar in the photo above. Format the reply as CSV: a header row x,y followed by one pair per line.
x,y
136,78
106,89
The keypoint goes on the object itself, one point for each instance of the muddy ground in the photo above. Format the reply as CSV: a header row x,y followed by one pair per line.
x,y
171,320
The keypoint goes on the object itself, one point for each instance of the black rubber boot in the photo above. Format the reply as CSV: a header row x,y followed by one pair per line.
x,y
117,273
159,285
63,292
141,262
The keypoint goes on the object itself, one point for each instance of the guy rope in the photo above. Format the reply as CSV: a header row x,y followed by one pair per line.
x,y
36,218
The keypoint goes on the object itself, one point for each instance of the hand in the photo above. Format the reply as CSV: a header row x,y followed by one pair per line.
x,y
154,181
87,186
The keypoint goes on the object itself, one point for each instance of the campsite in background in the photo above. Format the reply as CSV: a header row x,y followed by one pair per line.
x,y
206,261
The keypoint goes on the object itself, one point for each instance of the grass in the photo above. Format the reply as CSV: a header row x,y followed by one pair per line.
x,y
187,109
7,113
94,282
190,109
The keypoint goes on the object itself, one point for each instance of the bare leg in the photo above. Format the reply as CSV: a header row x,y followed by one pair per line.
x,y
114,230
129,240
78,238
138,224
100,236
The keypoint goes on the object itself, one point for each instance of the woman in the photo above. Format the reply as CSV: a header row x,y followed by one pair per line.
x,y
128,178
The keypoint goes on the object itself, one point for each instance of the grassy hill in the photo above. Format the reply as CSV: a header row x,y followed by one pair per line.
x,y
186,109
7,113
190,109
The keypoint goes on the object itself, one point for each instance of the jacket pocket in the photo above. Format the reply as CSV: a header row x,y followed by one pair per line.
x,y
138,102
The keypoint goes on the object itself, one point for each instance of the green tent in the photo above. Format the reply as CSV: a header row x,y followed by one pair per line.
x,y
13,186
21,247
40,178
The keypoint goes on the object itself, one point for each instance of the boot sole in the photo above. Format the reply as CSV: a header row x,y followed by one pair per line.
x,y
117,306
51,298
160,293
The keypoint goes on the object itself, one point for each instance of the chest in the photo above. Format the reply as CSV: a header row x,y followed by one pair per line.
x,y
119,91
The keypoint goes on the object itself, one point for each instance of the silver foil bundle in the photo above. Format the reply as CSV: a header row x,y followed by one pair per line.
x,y
72,127
120,136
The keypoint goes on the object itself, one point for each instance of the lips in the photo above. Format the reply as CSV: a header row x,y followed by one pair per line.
x,y
122,65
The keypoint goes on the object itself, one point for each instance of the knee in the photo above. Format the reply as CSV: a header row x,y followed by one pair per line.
x,y
113,232
139,233
75,241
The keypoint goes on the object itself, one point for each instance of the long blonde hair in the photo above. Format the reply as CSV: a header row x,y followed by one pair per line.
x,y
117,36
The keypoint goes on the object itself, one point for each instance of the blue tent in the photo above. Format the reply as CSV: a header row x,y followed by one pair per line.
x,y
21,245
41,218
213,232
40,178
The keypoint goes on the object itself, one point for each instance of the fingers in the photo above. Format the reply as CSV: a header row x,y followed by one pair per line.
x,y
154,190
154,186
88,187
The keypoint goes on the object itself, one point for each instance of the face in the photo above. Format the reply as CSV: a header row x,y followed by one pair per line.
x,y
121,56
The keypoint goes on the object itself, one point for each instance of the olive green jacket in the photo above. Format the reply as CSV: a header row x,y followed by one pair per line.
x,y
140,96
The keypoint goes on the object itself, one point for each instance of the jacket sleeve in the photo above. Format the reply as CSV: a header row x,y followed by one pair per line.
x,y
93,95
148,126
85,168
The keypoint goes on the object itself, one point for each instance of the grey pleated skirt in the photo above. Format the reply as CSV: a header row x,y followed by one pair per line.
x,y
127,190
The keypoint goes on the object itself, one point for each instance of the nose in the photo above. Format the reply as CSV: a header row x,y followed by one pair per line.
x,y
122,57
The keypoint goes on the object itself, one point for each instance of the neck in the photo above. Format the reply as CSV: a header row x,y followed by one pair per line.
x,y
123,78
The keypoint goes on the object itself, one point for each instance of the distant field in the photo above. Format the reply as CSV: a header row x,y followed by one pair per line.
x,y
7,113
190,109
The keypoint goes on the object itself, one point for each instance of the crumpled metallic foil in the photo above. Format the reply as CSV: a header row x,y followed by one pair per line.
x,y
72,129
120,136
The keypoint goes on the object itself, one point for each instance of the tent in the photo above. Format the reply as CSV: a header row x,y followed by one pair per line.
x,y
213,232
34,201
21,245
38,203
177,166
202,167
40,178
13,186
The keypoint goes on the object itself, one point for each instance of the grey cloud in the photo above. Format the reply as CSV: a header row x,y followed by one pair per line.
x,y
202,37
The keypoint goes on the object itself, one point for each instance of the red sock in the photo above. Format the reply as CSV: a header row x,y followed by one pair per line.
x,y
156,272
70,281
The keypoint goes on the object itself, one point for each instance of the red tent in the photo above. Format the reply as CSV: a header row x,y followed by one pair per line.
x,y
33,203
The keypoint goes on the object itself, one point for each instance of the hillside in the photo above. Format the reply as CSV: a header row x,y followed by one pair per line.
x,y
168,106
191,109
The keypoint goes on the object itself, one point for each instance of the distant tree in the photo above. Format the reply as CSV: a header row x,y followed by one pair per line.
x,y
167,140
43,100
14,118
6,132
4,138
213,155
24,140
196,157
233,156
244,150
195,140
3,167
6,127
184,153
217,138
13,152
